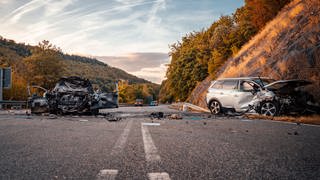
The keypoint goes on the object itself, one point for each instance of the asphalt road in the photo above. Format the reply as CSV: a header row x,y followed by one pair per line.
x,y
136,147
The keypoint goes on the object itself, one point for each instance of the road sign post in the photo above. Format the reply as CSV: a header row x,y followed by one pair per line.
x,y
1,86
5,81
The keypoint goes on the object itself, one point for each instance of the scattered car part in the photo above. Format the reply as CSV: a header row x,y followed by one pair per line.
x,y
156,115
175,116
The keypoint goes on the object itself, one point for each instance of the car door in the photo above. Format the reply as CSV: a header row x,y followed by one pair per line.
x,y
229,87
243,96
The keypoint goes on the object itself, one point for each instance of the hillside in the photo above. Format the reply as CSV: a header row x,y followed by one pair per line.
x,y
200,55
287,48
101,75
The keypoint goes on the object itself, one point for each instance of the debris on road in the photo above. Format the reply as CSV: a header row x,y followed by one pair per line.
x,y
110,116
53,116
175,116
156,115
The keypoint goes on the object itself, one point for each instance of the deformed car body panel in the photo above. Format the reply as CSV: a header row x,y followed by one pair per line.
x,y
287,86
73,95
287,96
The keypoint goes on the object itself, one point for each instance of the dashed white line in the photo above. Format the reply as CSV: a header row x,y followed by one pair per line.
x,y
107,174
149,147
111,174
246,120
151,124
159,176
122,140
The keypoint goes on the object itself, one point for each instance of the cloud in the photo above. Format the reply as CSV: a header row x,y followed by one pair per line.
x,y
150,66
50,7
55,7
136,61
4,2
16,14
155,74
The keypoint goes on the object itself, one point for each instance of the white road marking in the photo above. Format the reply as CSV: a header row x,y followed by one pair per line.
x,y
246,120
122,140
159,176
107,174
149,147
151,124
110,174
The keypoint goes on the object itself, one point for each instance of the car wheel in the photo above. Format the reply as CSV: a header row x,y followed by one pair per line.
x,y
215,107
95,112
268,108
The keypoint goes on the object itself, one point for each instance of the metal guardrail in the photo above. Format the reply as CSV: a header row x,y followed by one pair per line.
x,y
13,104
181,106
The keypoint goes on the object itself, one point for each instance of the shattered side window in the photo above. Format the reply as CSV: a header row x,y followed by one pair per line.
x,y
245,86
231,84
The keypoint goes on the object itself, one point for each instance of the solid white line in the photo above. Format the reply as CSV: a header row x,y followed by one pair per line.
x,y
159,176
122,140
151,124
107,174
149,147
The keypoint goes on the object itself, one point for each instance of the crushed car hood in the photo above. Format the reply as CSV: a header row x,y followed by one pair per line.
x,y
72,84
286,86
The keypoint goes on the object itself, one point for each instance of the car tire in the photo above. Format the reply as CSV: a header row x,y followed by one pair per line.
x,y
95,112
268,108
215,107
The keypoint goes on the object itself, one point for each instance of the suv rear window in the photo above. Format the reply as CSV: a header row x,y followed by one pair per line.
x,y
217,85
225,84
230,84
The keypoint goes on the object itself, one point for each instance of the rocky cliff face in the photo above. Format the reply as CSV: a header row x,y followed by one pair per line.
x,y
287,48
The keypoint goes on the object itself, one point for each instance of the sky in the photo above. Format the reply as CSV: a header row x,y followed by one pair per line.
x,y
133,35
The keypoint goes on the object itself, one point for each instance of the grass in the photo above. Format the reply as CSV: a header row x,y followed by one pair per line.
x,y
314,119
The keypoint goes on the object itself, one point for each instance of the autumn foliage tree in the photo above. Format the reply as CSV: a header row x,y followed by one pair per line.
x,y
44,67
128,93
263,11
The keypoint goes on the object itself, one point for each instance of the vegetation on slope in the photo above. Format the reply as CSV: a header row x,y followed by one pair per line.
x,y
44,64
201,54
287,48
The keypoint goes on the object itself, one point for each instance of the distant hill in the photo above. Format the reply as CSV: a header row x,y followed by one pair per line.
x,y
287,48
100,74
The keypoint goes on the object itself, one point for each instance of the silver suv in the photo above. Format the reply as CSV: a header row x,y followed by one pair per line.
x,y
237,94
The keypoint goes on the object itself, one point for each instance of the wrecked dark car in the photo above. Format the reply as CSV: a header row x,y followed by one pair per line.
x,y
72,95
